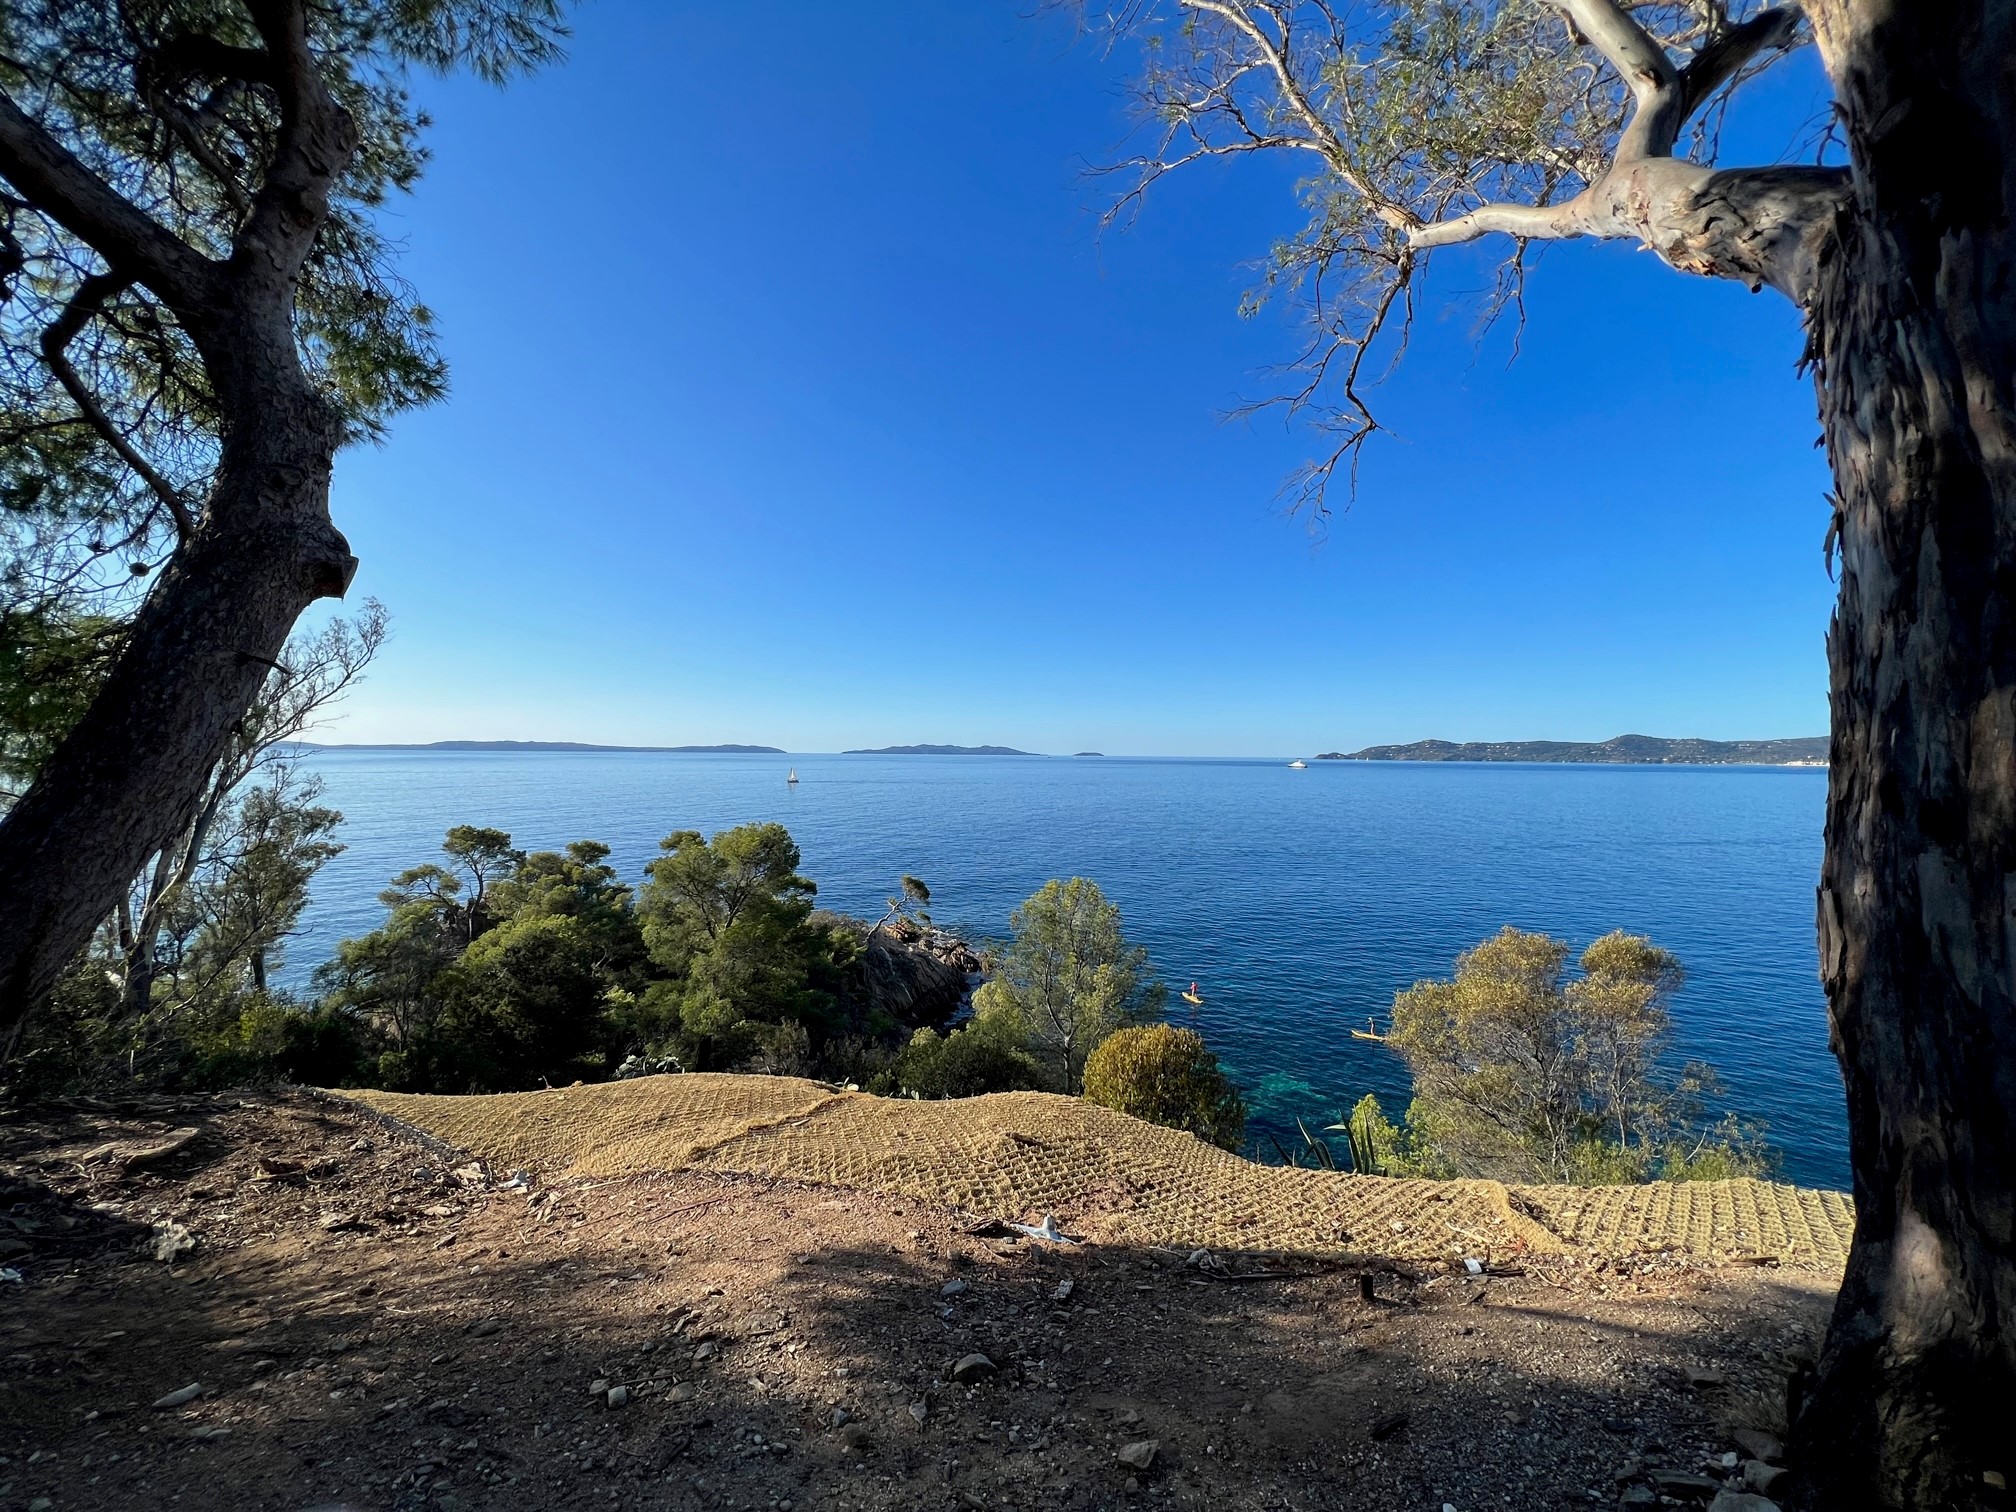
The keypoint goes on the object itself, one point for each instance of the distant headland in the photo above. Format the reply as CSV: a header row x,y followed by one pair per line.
x,y
939,750
1623,750
544,745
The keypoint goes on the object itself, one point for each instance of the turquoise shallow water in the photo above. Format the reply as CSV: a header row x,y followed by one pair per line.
x,y
1300,900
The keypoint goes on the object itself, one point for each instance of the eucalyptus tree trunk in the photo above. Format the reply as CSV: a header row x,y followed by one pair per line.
x,y
1914,339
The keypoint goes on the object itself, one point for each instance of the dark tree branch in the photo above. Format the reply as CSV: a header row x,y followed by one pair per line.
x,y
86,303
317,138
136,246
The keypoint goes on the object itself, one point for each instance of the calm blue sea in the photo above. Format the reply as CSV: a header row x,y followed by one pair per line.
x,y
1299,900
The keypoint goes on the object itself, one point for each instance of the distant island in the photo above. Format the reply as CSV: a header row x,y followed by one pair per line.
x,y
544,745
940,750
1639,750
1088,753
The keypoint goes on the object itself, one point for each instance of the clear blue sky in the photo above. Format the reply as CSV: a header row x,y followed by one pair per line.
x,y
797,400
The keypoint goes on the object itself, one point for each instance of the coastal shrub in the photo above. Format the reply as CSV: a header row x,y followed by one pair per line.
x,y
1165,1075
1525,1075
1071,977
988,1054
273,1039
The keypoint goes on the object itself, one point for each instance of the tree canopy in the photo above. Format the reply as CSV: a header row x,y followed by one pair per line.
x,y
1523,1074
1071,976
1428,123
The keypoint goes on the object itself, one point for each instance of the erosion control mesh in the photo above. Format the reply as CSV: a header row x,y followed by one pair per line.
x,y
1019,1155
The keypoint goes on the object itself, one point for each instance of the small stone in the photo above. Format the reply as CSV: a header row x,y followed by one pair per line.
x,y
1682,1483
1140,1455
619,1396
180,1397
974,1367
920,1410
954,1288
1639,1496
1704,1375
706,1351
1760,1445
1741,1501
684,1391
169,1242
1063,1291
840,1419
1994,1480
598,1387
1765,1480
487,1327
41,1504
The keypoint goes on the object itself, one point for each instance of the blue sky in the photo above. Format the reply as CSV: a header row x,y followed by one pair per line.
x,y
798,400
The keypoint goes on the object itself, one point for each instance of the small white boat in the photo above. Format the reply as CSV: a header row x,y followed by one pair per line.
x,y
792,780
1298,765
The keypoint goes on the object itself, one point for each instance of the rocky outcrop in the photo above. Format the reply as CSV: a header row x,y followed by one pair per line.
x,y
911,973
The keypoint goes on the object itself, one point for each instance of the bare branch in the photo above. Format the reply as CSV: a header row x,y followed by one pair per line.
x,y
1528,222
1646,69
1721,59
1238,15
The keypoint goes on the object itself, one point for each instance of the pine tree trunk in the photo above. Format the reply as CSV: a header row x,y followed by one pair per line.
x,y
130,777
1915,339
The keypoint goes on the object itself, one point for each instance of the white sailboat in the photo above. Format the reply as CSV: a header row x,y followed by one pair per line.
x,y
792,780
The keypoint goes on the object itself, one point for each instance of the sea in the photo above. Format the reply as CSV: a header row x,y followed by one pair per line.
x,y
1299,901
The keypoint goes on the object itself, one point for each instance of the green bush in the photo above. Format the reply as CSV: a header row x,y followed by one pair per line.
x,y
990,1054
1166,1076
311,1046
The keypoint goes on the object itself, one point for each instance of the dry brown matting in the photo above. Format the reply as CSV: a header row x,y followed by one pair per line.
x,y
1019,1155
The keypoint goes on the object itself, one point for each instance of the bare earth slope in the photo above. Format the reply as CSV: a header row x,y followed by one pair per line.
x,y
372,1321
1018,1155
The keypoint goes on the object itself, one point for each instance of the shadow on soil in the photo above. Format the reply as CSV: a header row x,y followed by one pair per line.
x,y
370,1332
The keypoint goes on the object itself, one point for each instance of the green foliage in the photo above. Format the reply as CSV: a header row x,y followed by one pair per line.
x,y
1071,977
728,925
273,1039
526,1003
1379,1147
1166,1076
1524,1075
989,1053
51,663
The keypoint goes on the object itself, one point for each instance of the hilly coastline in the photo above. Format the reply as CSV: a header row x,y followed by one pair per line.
x,y
1634,750
938,750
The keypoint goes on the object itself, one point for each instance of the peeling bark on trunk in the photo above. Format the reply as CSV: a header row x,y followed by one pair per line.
x,y
1914,336
127,780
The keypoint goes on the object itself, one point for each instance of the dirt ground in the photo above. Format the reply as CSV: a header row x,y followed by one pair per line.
x,y
371,1323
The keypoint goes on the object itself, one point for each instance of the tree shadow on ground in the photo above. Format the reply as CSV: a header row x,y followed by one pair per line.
x,y
370,1332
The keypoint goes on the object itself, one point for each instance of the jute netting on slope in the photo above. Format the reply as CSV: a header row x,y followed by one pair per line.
x,y
1019,1155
